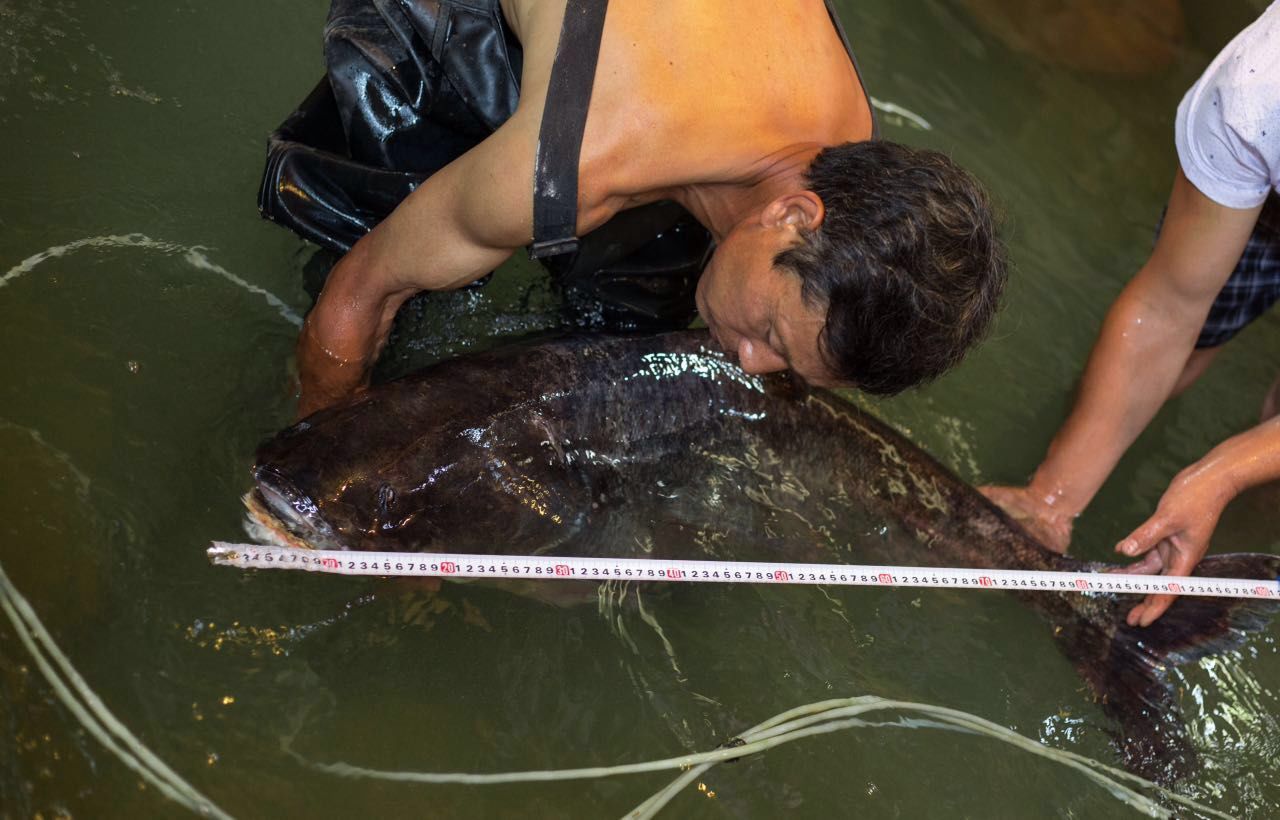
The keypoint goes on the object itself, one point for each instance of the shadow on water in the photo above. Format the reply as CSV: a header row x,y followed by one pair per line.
x,y
135,384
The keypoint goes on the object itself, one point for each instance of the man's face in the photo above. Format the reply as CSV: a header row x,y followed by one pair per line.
x,y
755,311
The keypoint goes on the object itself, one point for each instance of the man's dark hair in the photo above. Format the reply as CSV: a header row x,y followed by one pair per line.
x,y
906,262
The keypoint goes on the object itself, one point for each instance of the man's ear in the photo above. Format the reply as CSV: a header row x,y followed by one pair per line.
x,y
803,210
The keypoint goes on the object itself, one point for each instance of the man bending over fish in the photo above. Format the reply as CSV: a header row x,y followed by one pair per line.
x,y
1214,269
618,147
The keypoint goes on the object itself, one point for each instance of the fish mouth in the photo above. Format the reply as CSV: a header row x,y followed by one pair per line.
x,y
280,514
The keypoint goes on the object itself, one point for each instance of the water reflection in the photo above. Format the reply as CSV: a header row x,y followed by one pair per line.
x,y
1232,716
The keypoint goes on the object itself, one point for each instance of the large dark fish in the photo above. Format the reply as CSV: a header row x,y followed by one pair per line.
x,y
660,446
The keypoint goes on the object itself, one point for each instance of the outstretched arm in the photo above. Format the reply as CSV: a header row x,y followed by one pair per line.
x,y
1144,344
1175,539
457,226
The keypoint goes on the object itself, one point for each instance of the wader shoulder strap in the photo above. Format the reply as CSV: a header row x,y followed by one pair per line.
x,y
844,38
555,172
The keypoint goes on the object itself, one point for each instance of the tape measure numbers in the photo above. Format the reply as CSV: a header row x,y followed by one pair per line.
x,y
569,568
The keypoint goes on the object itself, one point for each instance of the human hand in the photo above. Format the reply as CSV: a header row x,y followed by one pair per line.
x,y
1174,540
1050,526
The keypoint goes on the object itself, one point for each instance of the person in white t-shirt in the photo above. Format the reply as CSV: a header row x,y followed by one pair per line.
x,y
1215,267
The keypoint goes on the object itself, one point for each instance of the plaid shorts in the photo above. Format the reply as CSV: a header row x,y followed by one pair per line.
x,y
1254,285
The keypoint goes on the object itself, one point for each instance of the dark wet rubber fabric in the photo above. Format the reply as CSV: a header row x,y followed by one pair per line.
x,y
411,86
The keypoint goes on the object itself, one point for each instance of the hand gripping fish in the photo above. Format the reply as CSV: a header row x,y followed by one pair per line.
x,y
660,447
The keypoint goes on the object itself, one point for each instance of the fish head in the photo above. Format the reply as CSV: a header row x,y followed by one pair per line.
x,y
281,513
510,450
338,480
394,471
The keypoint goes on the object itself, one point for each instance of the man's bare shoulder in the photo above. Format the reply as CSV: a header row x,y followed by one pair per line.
x,y
697,92
691,61
704,90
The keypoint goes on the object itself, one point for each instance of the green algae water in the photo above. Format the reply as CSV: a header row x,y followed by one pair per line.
x,y
147,319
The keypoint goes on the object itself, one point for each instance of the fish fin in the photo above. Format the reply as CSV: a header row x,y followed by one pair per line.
x,y
1207,626
1127,666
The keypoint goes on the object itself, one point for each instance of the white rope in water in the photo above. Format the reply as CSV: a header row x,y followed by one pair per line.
x,y
91,712
82,480
193,255
804,721
893,110
196,258
129,240
88,709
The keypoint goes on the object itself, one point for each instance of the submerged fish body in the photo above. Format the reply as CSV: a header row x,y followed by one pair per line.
x,y
659,446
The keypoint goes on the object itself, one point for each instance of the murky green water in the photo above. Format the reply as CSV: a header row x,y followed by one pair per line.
x,y
146,335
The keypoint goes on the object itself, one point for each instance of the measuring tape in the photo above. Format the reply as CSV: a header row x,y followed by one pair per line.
x,y
567,568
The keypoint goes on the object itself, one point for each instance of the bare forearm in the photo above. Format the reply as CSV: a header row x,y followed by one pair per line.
x,y
461,223
1177,536
324,376
1246,460
1131,371
1190,507
344,333
1144,344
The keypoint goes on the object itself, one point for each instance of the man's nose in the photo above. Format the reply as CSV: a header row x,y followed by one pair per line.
x,y
758,358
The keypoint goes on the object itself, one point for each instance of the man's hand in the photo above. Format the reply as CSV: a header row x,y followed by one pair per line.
x,y
1174,540
1049,525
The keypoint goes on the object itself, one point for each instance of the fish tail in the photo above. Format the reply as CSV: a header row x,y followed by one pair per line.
x,y
1127,666
1196,627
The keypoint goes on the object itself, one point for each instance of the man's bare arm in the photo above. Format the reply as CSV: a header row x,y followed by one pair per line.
x,y
1148,334
457,226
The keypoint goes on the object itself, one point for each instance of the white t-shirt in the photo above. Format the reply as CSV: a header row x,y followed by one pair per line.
x,y
1228,125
